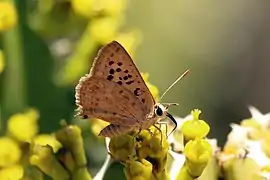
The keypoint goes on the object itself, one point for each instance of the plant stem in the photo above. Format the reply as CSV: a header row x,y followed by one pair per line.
x,y
14,89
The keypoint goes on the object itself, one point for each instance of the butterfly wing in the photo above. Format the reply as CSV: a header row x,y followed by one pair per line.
x,y
114,64
100,98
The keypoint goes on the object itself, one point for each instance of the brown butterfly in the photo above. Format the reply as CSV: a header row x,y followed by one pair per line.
x,y
115,91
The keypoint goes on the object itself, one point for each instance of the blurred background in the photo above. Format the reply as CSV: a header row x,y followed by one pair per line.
x,y
46,46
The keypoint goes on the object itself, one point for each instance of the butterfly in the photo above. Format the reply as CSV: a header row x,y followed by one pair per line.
x,y
115,91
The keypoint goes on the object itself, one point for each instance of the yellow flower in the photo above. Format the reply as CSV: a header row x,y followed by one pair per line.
x,y
47,139
195,128
14,172
138,169
71,139
198,152
90,8
154,146
8,15
10,152
115,7
121,147
257,129
235,168
231,148
129,40
251,123
44,158
97,125
104,29
2,62
84,7
153,89
265,144
266,168
23,126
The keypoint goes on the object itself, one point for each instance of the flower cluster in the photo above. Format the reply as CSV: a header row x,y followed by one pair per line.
x,y
191,151
246,152
144,156
14,145
87,25
8,16
24,153
8,19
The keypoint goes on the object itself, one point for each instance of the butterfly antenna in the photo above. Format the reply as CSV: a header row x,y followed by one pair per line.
x,y
178,79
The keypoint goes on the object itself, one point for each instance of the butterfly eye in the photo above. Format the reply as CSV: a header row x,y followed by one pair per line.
x,y
159,111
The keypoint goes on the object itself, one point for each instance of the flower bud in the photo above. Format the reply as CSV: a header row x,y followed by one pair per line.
x,y
195,128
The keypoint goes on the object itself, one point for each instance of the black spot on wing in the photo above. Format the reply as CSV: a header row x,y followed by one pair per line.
x,y
110,77
137,92
119,63
129,82
111,71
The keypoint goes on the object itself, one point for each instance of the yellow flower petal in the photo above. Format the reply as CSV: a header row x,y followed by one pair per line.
x,y
104,29
90,8
230,148
121,147
113,8
97,125
8,15
12,173
47,139
198,151
23,126
195,128
84,7
251,123
129,40
138,169
10,152
44,158
266,168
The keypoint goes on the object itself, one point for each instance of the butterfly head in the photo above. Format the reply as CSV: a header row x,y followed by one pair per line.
x,y
161,111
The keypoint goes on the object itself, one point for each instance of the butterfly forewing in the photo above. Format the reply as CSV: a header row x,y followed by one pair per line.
x,y
114,64
99,98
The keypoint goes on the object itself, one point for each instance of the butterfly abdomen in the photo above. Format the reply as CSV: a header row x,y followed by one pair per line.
x,y
113,130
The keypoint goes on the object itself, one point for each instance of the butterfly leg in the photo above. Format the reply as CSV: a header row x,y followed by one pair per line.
x,y
113,130
166,127
161,135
